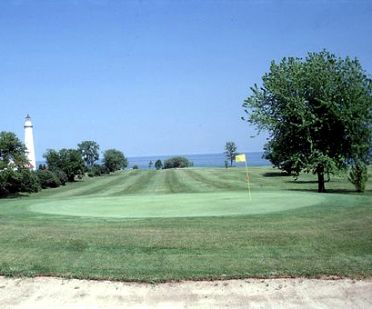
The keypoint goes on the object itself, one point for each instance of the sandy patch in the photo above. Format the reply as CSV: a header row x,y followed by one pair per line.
x,y
48,293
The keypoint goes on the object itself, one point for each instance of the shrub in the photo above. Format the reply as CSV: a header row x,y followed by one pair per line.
x,y
158,164
95,170
177,162
29,182
14,181
358,176
48,179
135,167
61,176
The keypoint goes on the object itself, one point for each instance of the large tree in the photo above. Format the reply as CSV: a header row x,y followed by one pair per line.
x,y
67,160
12,151
317,111
14,173
114,160
89,152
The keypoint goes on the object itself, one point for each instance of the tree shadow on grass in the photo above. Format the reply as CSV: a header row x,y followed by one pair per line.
x,y
329,191
302,181
14,195
275,174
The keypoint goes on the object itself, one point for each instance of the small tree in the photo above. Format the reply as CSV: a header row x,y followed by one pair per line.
x,y
358,176
158,164
114,160
230,151
150,164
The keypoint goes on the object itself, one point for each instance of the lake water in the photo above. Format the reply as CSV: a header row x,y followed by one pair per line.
x,y
201,160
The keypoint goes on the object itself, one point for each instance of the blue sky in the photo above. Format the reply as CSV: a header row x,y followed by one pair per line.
x,y
157,77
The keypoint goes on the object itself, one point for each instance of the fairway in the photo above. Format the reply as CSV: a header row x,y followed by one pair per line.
x,y
148,225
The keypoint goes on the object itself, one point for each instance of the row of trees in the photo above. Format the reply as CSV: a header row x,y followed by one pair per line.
x,y
65,165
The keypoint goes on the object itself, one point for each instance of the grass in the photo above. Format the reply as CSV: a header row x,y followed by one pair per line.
x,y
188,224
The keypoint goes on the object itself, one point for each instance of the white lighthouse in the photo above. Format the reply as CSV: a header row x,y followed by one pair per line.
x,y
29,142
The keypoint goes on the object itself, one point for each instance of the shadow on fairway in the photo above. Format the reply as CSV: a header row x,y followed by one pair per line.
x,y
275,174
301,181
329,191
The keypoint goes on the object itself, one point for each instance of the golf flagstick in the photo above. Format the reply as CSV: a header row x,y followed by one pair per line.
x,y
248,183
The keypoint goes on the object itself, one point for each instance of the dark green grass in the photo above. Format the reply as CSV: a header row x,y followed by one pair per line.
x,y
331,238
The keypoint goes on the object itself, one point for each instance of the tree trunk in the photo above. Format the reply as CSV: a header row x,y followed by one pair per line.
x,y
320,172
231,161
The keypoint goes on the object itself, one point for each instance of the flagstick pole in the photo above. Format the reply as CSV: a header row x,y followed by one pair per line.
x,y
249,186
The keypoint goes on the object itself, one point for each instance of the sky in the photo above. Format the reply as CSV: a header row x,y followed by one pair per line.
x,y
157,77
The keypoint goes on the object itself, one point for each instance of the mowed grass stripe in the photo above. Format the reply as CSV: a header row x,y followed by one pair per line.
x,y
213,183
138,184
85,187
104,185
174,184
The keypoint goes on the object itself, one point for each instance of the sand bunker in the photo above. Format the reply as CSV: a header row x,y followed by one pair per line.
x,y
249,293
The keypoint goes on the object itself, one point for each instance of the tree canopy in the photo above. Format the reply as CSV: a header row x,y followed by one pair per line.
x,y
230,151
89,152
176,162
67,160
158,164
114,160
317,111
12,151
14,173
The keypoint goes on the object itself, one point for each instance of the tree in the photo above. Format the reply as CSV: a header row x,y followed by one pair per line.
x,y
89,152
358,176
158,164
12,151
230,151
114,160
68,161
15,176
150,164
317,111
177,162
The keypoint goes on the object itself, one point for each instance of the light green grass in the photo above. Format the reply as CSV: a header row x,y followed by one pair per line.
x,y
188,224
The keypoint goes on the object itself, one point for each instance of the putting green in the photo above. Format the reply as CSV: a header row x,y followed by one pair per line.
x,y
178,205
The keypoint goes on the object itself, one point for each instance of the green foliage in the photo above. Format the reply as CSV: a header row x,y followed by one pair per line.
x,y
68,161
230,151
14,176
14,181
48,179
12,151
177,162
89,151
61,176
158,164
358,176
114,160
317,111
135,167
95,170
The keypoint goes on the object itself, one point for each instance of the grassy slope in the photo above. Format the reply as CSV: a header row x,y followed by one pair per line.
x,y
331,238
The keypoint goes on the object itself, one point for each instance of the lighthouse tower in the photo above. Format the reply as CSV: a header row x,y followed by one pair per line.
x,y
29,142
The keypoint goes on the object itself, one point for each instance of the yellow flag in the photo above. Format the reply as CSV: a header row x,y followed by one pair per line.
x,y
240,158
